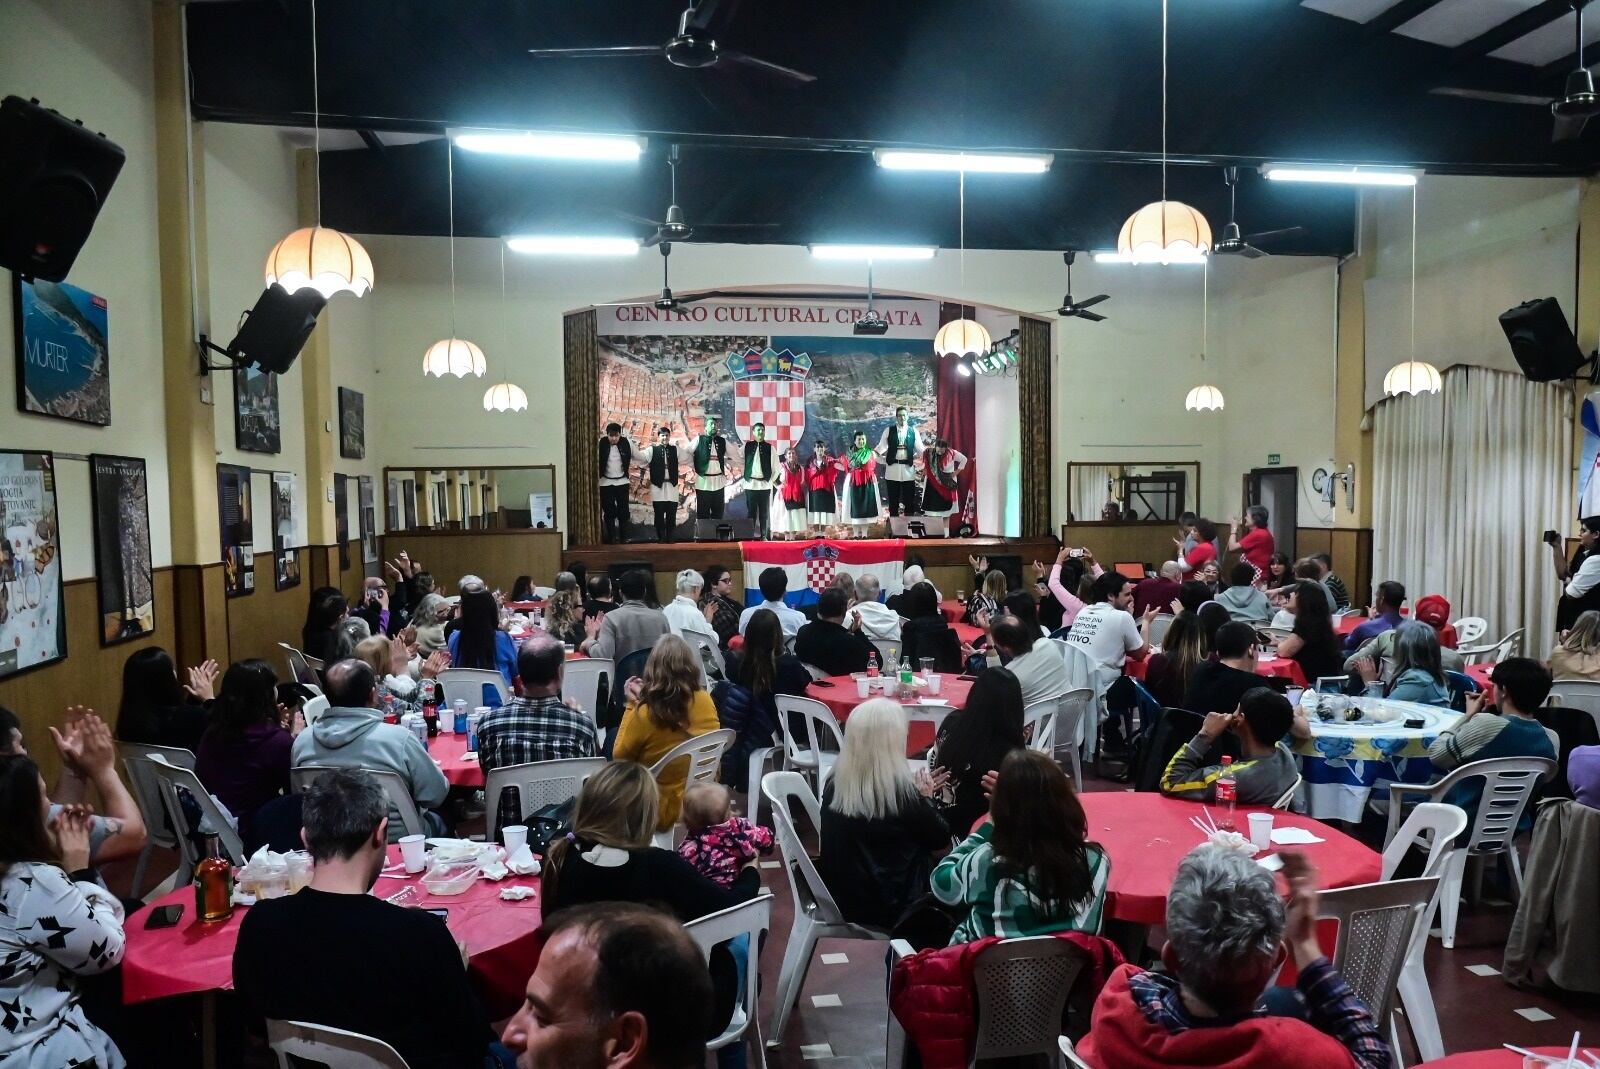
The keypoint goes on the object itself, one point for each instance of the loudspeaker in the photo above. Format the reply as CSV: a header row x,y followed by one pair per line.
x,y
1541,340
272,333
930,526
54,176
726,529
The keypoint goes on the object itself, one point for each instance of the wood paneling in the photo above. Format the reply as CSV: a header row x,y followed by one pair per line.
x,y
582,369
1351,550
1033,389
498,556
261,620
1147,543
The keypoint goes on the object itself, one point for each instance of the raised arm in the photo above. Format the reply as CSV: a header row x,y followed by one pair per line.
x,y
89,756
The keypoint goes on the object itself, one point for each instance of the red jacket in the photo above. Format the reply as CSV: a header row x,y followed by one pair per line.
x,y
1122,1037
932,995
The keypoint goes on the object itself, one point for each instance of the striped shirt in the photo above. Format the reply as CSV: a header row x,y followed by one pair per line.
x,y
1005,905
1260,780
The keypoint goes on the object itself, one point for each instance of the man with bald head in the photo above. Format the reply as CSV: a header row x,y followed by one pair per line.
x,y
536,725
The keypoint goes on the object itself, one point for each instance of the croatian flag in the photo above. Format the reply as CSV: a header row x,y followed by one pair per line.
x,y
813,566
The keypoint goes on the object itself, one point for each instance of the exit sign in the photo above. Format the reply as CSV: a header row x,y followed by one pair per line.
x,y
1274,458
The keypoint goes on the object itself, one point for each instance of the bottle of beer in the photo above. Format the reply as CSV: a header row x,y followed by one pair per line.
x,y
213,884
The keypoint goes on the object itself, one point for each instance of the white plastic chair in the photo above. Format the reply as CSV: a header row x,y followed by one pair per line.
x,y
169,777
542,592
145,787
1285,800
1275,635
1072,727
400,800
1042,718
753,919
1579,694
313,709
1070,1057
1470,629
1508,784
1432,826
300,667
889,653
927,714
588,679
816,915
705,760
467,685
818,751
1158,627
1378,925
537,783
317,1044
706,647
1494,652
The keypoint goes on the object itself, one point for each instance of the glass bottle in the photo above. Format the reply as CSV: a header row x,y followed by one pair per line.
x,y
213,884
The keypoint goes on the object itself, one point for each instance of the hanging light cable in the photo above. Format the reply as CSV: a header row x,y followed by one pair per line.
x,y
453,355
1413,376
504,396
962,337
1204,398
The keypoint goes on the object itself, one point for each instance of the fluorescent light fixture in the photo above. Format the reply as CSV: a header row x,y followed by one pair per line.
x,y
553,245
1174,257
1352,175
614,148
896,159
873,252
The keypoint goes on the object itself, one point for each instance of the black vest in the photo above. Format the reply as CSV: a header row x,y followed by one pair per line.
x,y
623,445
703,449
894,443
765,448
663,459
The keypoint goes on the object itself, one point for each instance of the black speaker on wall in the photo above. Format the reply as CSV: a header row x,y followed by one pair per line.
x,y
54,178
272,333
1541,341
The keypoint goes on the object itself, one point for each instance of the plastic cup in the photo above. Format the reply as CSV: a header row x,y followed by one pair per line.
x,y
412,848
935,684
1261,830
299,862
926,665
516,837
863,687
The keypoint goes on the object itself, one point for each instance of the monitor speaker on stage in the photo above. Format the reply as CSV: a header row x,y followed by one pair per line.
x,y
724,530
917,526
1541,341
1009,565
54,178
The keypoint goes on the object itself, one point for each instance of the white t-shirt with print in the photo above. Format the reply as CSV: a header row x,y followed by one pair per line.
x,y
1107,634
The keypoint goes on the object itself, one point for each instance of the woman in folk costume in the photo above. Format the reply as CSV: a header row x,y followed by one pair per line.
x,y
822,475
861,492
792,489
943,466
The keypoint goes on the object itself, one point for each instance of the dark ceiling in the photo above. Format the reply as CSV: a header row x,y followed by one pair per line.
x,y
1250,80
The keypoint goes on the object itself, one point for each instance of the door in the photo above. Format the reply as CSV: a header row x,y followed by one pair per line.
x,y
1278,490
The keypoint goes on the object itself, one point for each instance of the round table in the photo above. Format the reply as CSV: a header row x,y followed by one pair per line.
x,y
953,610
1479,674
449,752
195,958
1345,761
1499,1058
1282,667
839,694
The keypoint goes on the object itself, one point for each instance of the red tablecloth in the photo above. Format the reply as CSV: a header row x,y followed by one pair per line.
x,y
193,957
953,610
841,698
1277,666
1343,625
1489,1059
969,633
449,752
1480,675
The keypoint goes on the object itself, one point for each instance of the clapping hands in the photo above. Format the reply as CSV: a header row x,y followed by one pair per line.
x,y
203,680
85,743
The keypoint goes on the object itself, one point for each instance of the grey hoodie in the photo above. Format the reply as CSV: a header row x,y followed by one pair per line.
x,y
1246,604
358,738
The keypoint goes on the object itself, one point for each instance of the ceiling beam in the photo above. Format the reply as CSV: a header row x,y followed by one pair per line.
x,y
371,140
1499,36
1398,16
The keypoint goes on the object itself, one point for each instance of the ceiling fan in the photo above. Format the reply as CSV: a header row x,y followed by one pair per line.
x,y
1231,243
1078,309
675,227
693,46
1572,110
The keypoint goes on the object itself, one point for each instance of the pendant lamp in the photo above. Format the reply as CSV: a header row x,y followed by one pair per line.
x,y
1164,231
961,337
1205,397
1412,376
318,256
453,355
504,396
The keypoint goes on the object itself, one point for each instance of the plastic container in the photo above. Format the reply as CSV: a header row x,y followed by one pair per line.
x,y
450,877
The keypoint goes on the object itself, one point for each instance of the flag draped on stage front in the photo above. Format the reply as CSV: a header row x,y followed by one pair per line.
x,y
813,566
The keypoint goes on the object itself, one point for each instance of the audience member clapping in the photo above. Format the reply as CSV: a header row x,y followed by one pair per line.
x,y
157,710
665,707
244,757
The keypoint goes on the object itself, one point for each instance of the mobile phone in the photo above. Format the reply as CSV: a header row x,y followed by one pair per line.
x,y
1551,538
821,683
442,914
164,916
1415,722
1074,552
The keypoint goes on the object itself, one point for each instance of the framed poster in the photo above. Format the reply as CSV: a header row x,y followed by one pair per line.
x,y
256,423
352,425
341,518
238,538
124,578
285,558
63,363
33,626
368,519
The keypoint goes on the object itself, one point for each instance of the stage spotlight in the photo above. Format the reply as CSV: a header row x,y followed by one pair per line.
x,y
871,324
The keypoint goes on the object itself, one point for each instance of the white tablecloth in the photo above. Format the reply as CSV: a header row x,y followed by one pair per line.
x,y
1344,762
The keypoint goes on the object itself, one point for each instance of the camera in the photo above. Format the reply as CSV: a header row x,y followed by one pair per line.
x,y
1551,538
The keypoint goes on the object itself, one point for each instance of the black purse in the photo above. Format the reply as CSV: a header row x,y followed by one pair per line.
x,y
548,824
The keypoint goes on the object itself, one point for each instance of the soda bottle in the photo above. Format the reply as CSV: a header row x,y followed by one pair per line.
x,y
213,884
907,686
1227,797
430,708
391,711
872,665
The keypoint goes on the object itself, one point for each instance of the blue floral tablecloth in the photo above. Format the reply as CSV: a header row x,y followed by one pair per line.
x,y
1344,762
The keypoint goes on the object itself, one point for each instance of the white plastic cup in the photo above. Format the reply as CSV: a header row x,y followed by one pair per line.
x,y
863,687
1261,830
516,837
935,684
412,848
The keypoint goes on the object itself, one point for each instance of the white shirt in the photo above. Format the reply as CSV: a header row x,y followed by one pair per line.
x,y
1107,634
1585,578
877,620
716,477
898,471
615,474
1041,671
791,619
684,615
756,473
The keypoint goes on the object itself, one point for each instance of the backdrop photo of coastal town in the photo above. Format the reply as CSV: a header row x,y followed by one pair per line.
x,y
63,359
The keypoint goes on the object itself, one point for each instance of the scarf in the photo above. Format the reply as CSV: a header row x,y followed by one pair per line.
x,y
863,466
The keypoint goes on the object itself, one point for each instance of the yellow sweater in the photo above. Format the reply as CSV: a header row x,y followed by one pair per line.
x,y
641,739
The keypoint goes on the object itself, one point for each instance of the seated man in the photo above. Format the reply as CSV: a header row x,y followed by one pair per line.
x,y
629,627
616,985
1218,684
1106,631
1227,935
1261,775
1158,590
1385,614
1033,659
1512,730
828,644
774,584
352,734
295,956
877,619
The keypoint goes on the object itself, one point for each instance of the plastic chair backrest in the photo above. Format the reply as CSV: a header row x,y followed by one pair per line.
x,y
171,778
542,592
1275,635
1377,927
704,753
1072,714
889,653
299,670
314,708
467,684
1433,826
1508,784
1510,646
400,800
1286,799
588,680
145,786
1022,987
706,648
1042,718
1470,629
317,1044
1071,1055
810,894
752,918
537,783
1158,627
1579,694
822,731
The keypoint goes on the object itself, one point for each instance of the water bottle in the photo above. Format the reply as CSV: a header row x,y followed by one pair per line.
x,y
1227,797
907,686
458,720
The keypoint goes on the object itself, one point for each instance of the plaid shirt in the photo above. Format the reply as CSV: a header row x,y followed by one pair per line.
x,y
532,729
1331,1006
725,621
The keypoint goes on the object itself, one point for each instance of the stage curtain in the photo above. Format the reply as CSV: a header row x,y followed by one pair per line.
x,y
1033,388
581,362
955,401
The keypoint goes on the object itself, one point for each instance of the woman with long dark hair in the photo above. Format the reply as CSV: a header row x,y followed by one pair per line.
x,y
323,635
763,668
522,588
56,924
665,707
1280,572
244,756
1314,646
479,642
1030,869
156,709
925,630
973,741
1184,649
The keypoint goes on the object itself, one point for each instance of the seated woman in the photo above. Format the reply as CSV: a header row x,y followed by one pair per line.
x,y
1418,676
1313,646
432,613
56,925
1183,649
244,756
926,632
1030,869
985,600
156,710
972,742
764,670
522,588
879,830
1577,653
479,642
324,636
563,611
665,707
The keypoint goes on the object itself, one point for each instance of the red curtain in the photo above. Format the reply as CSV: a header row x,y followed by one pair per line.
x,y
955,402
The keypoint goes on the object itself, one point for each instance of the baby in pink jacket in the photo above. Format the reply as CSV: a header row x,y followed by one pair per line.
x,y
719,844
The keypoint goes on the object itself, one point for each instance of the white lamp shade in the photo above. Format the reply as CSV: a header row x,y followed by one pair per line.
x,y
453,356
961,337
505,397
1164,231
326,260
1204,399
1413,376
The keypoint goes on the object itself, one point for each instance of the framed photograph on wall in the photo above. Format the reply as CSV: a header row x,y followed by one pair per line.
x,y
124,576
352,425
341,518
285,558
368,520
63,362
238,535
257,425
33,625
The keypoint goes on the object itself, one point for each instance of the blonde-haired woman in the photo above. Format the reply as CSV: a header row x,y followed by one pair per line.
x,y
985,600
397,671
1577,653
879,830
563,610
664,708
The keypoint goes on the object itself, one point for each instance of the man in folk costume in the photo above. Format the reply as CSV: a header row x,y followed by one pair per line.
x,y
861,491
616,458
792,488
710,451
761,474
943,466
664,484
822,476
898,448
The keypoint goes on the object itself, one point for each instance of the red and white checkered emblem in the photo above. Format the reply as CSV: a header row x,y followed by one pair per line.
x,y
778,403
821,563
